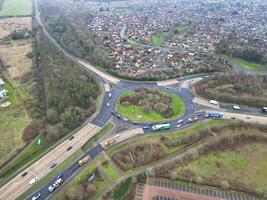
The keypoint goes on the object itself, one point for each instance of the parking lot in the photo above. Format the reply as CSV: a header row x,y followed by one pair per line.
x,y
201,191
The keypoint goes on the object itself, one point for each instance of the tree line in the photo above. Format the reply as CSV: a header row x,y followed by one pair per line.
x,y
64,95
239,89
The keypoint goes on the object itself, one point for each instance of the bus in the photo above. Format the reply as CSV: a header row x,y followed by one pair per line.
x,y
213,114
160,127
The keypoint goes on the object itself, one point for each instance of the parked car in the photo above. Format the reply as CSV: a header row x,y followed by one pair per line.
x,y
69,148
233,118
179,125
36,196
53,165
24,174
109,95
108,104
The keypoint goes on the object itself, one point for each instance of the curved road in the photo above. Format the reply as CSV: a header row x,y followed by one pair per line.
x,y
19,184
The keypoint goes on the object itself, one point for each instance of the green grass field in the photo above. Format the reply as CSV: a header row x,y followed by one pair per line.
x,y
110,172
245,166
135,113
245,64
16,8
159,39
12,123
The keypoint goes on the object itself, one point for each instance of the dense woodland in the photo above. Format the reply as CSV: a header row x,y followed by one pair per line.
x,y
243,51
238,89
72,33
64,95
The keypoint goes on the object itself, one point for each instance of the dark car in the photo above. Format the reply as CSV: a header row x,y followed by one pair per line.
x,y
233,118
69,148
71,137
53,165
146,127
24,174
112,112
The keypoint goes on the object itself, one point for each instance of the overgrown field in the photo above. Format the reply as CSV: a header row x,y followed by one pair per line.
x,y
237,89
12,123
16,8
236,160
150,148
149,105
15,70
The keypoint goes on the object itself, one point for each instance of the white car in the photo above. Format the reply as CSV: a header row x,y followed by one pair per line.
x,y
180,121
236,107
33,180
50,188
109,95
117,136
178,125
36,196
108,105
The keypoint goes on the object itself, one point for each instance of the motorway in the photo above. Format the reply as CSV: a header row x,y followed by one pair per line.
x,y
40,168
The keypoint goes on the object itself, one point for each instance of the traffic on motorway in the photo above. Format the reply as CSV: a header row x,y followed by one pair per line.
x,y
108,110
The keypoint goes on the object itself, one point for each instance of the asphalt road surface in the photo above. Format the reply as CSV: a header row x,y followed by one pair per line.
x,y
19,184
67,174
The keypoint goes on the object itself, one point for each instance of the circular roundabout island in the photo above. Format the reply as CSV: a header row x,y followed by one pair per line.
x,y
148,105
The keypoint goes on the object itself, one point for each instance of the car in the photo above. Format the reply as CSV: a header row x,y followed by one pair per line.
x,y
180,121
108,104
24,174
178,125
53,165
109,95
135,123
247,117
50,188
233,118
236,107
69,148
33,180
125,119
112,112
71,137
117,136
36,196
146,127
118,116
198,114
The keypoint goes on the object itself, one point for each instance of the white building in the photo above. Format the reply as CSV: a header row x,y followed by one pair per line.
x,y
3,93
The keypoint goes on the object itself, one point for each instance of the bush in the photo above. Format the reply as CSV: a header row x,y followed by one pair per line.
x,y
72,117
224,185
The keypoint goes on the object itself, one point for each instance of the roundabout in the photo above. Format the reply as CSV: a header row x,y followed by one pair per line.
x,y
149,105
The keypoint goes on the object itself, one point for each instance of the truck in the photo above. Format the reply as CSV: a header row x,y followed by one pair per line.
x,y
160,127
109,143
214,114
214,102
84,160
